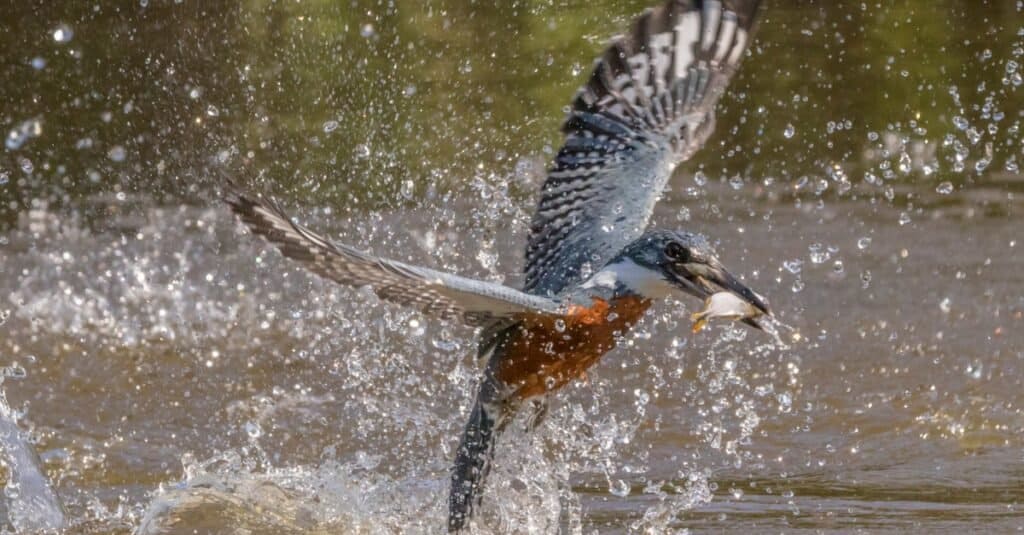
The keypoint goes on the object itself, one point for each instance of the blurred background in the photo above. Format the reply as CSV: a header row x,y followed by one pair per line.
x,y
175,374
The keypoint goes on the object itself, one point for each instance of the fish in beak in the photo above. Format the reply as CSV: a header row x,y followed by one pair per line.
x,y
704,280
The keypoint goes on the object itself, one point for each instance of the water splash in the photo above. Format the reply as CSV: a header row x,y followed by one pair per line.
x,y
32,504
332,498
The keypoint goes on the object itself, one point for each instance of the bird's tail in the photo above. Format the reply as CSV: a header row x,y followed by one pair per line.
x,y
476,451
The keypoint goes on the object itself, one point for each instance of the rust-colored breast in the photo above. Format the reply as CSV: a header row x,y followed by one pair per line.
x,y
549,352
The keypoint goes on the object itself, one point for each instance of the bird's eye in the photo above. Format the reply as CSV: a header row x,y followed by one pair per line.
x,y
676,252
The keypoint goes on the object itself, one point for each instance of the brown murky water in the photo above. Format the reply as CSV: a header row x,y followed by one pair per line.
x,y
176,375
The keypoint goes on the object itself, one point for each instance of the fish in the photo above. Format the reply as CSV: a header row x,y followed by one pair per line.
x,y
723,305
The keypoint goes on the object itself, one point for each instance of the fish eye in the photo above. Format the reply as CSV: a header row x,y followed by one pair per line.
x,y
676,252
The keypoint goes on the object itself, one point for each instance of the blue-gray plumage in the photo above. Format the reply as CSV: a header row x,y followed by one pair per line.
x,y
648,106
591,268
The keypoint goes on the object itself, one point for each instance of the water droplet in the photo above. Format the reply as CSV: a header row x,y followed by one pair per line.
x,y
487,259
973,370
904,218
905,164
367,30
944,188
785,401
798,286
409,91
818,253
212,111
408,189
38,63
330,126
736,182
117,153
560,325
362,151
619,488
864,243
973,135
253,429
960,122
945,305
700,178
789,132
63,33
14,371
793,266
865,279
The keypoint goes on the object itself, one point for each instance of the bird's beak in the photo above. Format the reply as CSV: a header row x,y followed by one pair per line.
x,y
702,280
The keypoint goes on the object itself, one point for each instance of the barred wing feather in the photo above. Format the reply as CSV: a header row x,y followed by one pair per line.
x,y
648,106
432,292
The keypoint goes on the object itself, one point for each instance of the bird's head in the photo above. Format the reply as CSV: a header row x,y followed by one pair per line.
x,y
663,261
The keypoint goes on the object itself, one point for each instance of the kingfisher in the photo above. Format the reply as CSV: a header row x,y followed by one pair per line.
x,y
592,268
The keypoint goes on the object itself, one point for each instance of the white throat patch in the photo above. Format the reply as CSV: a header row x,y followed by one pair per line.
x,y
638,279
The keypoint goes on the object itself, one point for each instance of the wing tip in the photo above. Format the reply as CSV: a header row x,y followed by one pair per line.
x,y
637,68
251,208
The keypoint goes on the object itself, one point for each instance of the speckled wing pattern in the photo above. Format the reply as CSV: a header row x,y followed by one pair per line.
x,y
648,106
432,292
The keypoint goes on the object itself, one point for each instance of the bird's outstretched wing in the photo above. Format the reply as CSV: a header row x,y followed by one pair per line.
x,y
432,292
648,106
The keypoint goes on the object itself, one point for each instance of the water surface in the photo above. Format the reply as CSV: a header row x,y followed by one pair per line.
x,y
180,376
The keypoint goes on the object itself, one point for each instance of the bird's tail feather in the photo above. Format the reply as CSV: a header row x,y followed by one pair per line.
x,y
474,456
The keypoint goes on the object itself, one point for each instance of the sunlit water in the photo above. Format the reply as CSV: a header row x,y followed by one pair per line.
x,y
175,375
180,375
